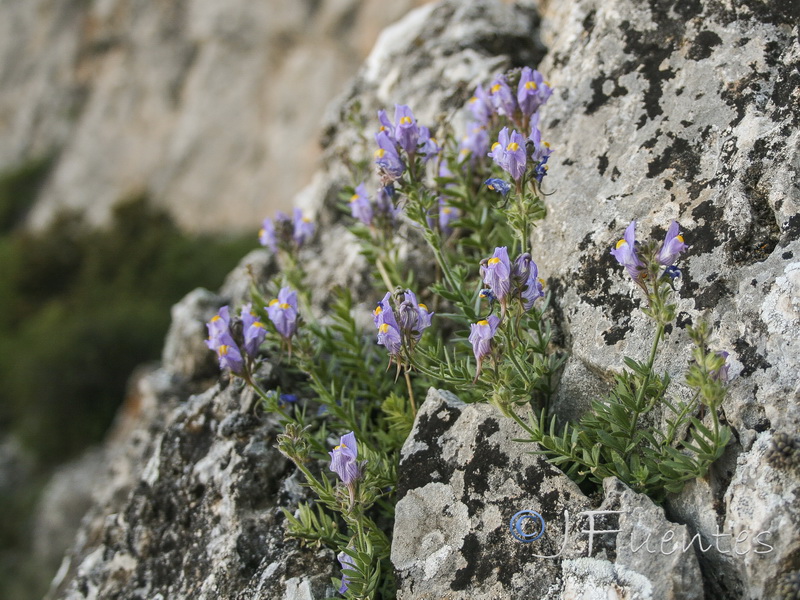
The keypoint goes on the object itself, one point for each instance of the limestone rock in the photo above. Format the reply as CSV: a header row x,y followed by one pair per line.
x,y
462,479
194,511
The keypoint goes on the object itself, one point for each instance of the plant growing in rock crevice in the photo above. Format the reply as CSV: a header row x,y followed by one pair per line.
x,y
473,201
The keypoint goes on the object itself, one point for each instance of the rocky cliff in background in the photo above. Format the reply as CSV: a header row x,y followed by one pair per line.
x,y
212,109
663,110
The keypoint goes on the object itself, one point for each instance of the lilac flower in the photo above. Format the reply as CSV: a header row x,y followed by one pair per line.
x,y
344,459
387,158
496,273
217,326
625,252
498,185
383,313
509,153
480,336
389,335
673,245
502,97
283,312
229,355
406,131
475,144
346,561
428,146
541,149
267,236
414,316
386,124
532,92
303,228
360,206
480,105
534,287
253,329
721,374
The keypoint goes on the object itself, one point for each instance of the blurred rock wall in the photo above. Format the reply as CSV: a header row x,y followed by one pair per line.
x,y
211,108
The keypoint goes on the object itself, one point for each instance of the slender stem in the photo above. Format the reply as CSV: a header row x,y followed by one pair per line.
x,y
387,281
410,393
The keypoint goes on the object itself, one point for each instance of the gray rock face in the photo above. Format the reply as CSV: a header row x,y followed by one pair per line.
x,y
463,481
212,112
191,511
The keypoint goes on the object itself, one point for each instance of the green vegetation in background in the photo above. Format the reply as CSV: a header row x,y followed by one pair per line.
x,y
80,308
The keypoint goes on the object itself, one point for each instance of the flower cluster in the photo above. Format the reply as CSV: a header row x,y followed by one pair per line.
x,y
403,135
519,103
236,341
400,332
518,280
285,232
627,252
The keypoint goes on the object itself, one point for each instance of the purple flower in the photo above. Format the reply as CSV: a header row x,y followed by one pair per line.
x,y
386,124
540,170
502,97
509,153
625,252
283,312
480,336
496,273
429,147
217,326
480,105
721,374
673,245
406,131
346,561
475,144
534,287
267,236
388,330
498,185
383,313
303,228
253,329
360,206
414,316
344,459
387,157
541,149
389,337
229,355
532,92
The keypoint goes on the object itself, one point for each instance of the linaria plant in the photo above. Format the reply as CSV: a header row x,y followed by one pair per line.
x,y
475,322
617,436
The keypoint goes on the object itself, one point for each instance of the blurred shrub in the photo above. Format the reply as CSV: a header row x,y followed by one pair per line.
x,y
80,308
18,189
